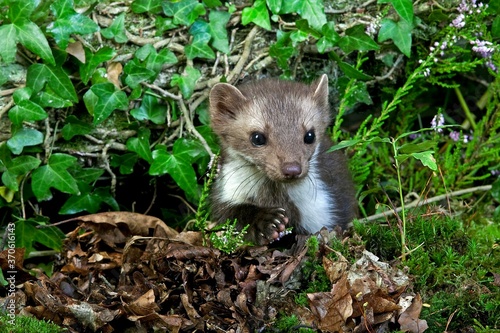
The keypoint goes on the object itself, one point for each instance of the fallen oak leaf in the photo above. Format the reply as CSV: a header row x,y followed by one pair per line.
x,y
409,320
332,309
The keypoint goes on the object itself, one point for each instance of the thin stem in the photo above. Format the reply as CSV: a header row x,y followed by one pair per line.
x,y
465,107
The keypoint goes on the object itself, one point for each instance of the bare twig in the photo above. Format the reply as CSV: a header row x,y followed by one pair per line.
x,y
6,108
190,127
235,73
162,91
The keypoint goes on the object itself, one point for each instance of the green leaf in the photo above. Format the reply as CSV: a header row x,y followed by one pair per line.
x,y
23,138
18,166
8,49
54,175
26,110
184,12
257,14
150,109
212,3
274,5
218,21
199,47
89,200
349,70
20,10
93,61
27,234
125,162
75,126
178,168
30,35
187,81
313,12
140,144
49,99
40,74
137,73
356,39
427,159
495,28
495,190
399,32
291,6
283,49
409,148
69,22
330,37
404,8
116,30
102,99
143,6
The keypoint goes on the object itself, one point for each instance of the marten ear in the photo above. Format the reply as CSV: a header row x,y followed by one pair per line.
x,y
320,90
225,99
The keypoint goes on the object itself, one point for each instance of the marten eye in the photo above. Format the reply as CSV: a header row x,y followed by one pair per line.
x,y
309,137
258,139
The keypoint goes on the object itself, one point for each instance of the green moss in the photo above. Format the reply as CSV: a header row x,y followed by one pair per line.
x,y
24,324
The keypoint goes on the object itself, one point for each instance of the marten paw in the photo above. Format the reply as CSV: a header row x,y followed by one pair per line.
x,y
271,225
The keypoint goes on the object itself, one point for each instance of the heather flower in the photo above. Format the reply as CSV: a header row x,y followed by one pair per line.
x,y
483,47
455,136
459,21
437,121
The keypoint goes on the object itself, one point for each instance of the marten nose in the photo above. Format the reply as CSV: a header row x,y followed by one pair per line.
x,y
291,169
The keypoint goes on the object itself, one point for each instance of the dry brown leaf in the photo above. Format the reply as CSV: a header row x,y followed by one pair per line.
x,y
115,69
144,304
332,309
77,51
334,269
409,320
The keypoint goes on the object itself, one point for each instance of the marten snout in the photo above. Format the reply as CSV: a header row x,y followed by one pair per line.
x,y
291,170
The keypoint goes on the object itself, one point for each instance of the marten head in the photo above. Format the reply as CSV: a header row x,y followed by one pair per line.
x,y
274,125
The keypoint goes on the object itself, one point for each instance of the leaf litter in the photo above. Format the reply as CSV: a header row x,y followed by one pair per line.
x,y
125,270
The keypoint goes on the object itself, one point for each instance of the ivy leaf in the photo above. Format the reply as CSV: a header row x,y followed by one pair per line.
x,y
313,12
137,73
186,81
28,233
75,126
427,159
283,49
40,74
140,144
404,8
399,32
30,35
356,39
150,109
290,6
274,5
178,168
116,30
144,6
18,166
330,37
26,110
257,14
69,22
89,200
125,162
218,21
184,12
93,61
23,138
8,50
102,99
55,175
199,47
212,3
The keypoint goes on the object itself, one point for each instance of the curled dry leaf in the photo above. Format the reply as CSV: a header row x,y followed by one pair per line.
x,y
332,308
409,320
77,51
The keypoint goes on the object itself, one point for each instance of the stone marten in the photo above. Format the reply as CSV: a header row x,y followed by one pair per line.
x,y
274,168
